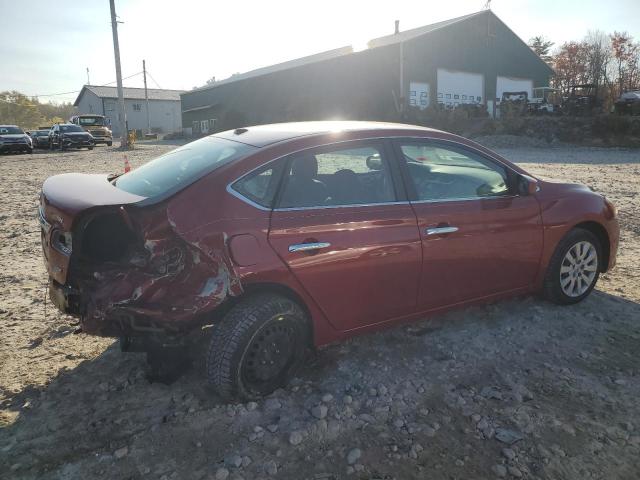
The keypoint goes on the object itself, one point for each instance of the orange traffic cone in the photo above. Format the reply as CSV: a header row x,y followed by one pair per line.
x,y
127,165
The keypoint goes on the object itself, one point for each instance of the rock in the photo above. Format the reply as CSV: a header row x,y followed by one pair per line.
x,y
482,424
222,474
508,436
500,470
233,460
491,392
353,456
251,406
319,411
382,390
508,453
121,452
246,461
270,467
348,399
327,397
272,404
514,471
295,438
273,428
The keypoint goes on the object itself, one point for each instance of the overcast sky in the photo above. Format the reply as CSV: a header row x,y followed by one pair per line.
x,y
46,46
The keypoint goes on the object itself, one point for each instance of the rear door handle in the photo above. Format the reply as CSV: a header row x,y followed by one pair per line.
x,y
305,247
440,230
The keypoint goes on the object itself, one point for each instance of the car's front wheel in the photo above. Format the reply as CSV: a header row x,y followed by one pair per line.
x,y
574,268
257,347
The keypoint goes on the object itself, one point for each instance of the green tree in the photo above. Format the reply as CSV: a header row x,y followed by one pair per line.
x,y
542,47
28,113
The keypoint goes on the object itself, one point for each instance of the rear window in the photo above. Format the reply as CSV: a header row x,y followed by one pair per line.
x,y
95,121
182,166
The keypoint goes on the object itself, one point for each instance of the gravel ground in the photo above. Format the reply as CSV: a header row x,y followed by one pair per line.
x,y
518,389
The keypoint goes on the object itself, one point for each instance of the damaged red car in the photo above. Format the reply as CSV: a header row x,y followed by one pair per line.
x,y
270,240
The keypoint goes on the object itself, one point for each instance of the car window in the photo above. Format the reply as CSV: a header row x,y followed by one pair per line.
x,y
71,128
10,130
447,173
260,186
181,166
344,176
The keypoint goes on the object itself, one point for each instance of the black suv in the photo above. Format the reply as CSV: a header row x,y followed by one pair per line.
x,y
13,139
67,135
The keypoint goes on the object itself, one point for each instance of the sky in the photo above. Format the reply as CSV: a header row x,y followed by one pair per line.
x,y
47,46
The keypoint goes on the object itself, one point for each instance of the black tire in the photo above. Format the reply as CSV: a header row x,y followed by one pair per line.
x,y
29,150
90,148
262,328
109,144
552,288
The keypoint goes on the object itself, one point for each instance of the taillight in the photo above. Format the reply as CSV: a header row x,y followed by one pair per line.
x,y
61,241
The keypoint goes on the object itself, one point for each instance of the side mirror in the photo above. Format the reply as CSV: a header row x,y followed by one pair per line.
x,y
527,185
374,162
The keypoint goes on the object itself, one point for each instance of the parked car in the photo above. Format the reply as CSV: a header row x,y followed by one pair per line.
x,y
14,139
628,103
96,125
40,138
291,236
67,135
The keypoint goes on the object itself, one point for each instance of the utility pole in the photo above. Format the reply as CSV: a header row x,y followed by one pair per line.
x,y
146,95
124,140
88,81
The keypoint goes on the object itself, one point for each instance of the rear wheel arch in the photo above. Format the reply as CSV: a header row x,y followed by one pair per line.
x,y
602,235
260,288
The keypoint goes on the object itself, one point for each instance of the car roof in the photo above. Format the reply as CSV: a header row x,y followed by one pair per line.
x,y
9,126
263,135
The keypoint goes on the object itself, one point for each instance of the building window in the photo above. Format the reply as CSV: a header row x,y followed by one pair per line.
x,y
195,125
137,107
212,123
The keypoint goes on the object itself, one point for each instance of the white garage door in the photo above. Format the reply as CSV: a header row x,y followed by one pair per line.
x,y
512,84
455,87
419,95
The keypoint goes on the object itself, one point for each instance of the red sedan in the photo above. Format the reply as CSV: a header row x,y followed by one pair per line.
x,y
284,237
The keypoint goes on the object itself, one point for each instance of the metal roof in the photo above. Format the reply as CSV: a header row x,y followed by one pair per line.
x,y
131,93
339,52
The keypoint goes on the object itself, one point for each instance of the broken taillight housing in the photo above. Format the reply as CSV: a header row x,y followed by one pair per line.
x,y
61,241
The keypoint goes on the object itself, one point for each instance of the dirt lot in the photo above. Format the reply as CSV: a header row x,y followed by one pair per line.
x,y
521,389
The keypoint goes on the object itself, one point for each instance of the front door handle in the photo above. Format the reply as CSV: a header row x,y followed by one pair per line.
x,y
440,230
305,247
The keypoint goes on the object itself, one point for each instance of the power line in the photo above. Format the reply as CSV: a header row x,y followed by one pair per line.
x,y
154,80
77,91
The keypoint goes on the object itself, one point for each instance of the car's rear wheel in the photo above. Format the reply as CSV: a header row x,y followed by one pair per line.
x,y
574,268
257,347
90,148
109,144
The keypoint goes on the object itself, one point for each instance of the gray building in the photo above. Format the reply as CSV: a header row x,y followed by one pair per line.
x,y
466,60
164,107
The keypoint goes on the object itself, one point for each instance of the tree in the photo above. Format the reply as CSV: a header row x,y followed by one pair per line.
x,y
571,65
625,54
28,113
542,47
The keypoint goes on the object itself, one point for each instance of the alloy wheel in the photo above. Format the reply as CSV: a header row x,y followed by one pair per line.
x,y
578,269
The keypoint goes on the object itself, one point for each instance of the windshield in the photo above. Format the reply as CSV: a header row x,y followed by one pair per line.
x,y
10,130
181,166
70,128
94,121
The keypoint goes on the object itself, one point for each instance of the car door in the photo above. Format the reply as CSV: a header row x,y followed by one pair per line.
x,y
344,228
479,238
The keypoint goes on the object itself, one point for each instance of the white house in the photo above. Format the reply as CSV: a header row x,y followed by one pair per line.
x,y
164,107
